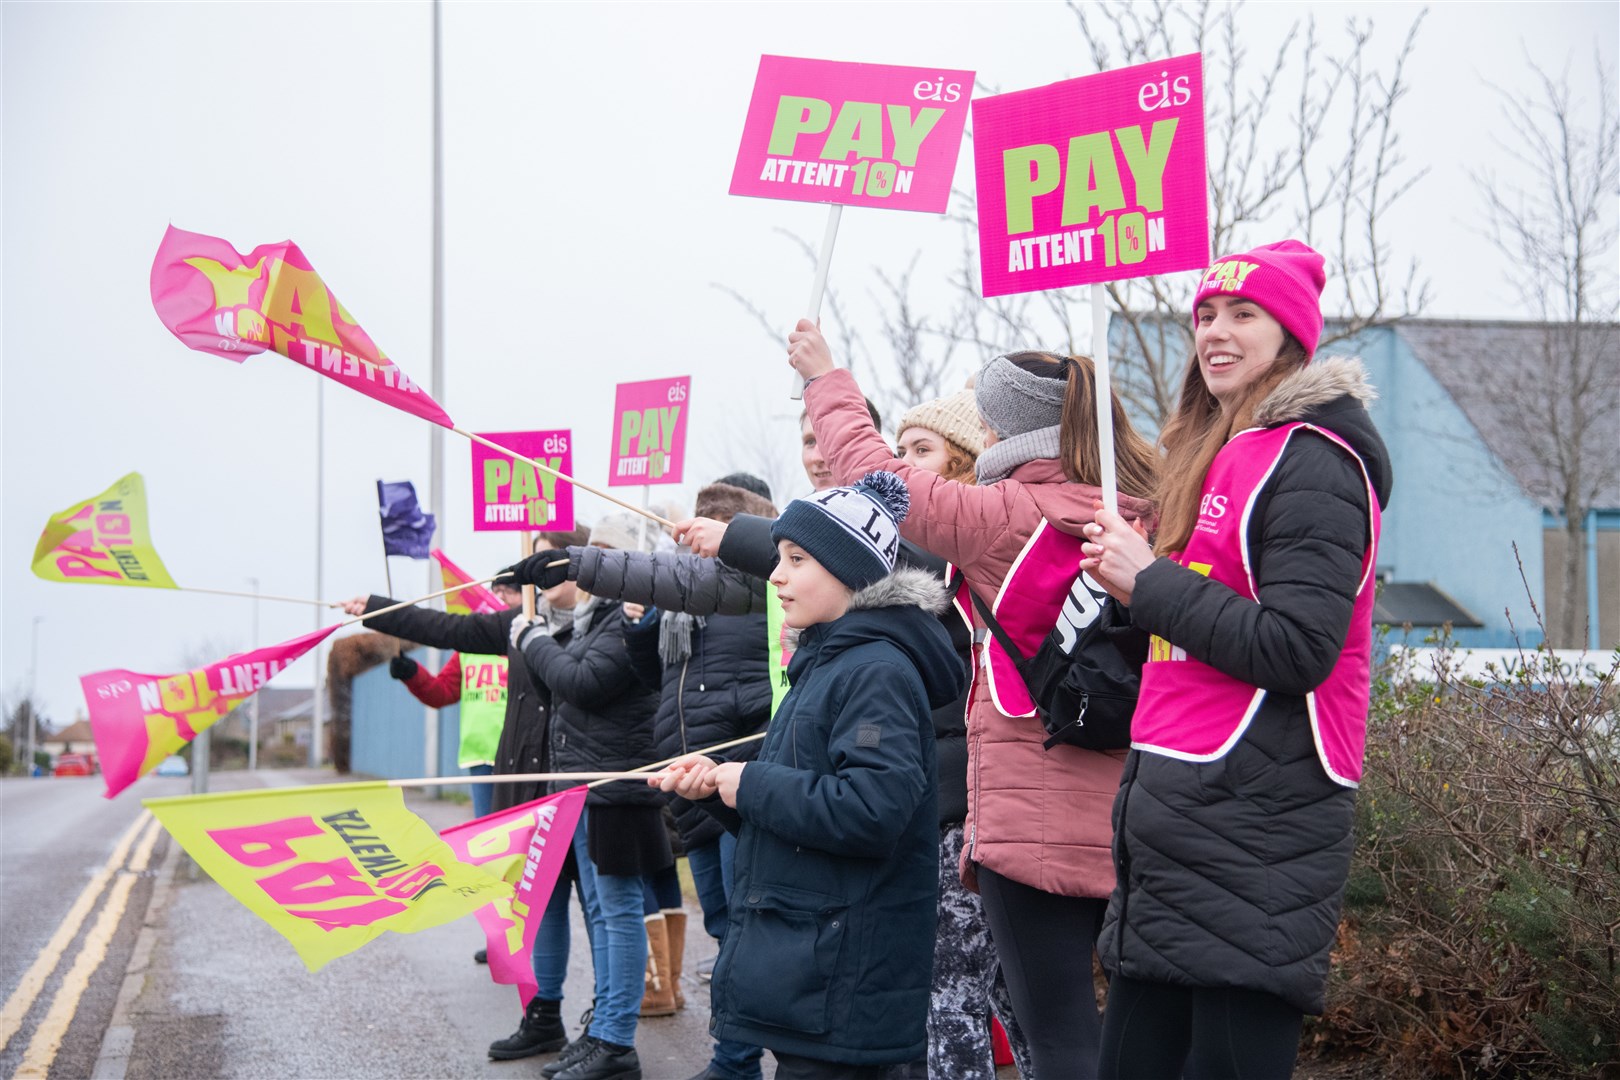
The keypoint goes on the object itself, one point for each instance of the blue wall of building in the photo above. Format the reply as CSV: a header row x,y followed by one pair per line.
x,y
386,729
1455,513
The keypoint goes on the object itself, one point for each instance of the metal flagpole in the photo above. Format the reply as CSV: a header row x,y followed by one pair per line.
x,y
436,361
33,697
253,702
317,716
430,717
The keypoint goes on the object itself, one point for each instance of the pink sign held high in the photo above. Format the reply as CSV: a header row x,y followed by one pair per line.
x,y
649,432
513,496
855,134
1093,179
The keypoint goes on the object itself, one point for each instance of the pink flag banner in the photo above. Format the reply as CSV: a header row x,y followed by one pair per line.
x,y
513,496
855,134
526,846
649,432
138,720
474,599
1093,179
219,301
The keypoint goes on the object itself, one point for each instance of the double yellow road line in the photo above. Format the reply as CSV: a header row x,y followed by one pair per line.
x,y
47,1040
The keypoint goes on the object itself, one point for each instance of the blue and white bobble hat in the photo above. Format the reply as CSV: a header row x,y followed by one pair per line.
x,y
852,531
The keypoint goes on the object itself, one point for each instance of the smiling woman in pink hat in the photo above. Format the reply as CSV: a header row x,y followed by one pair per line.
x,y
1233,819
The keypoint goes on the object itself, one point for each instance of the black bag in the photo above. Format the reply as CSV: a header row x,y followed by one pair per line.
x,y
1083,686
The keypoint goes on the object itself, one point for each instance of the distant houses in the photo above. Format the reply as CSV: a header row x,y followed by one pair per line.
x,y
1466,408
1481,417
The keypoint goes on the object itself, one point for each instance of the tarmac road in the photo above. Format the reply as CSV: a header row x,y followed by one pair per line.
x,y
213,991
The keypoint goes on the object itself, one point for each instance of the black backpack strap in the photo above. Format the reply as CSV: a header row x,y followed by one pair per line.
x,y
990,621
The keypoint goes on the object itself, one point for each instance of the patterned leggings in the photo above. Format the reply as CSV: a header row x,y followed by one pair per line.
x,y
967,982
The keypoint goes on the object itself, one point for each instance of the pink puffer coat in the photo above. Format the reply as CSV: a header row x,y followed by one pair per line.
x,y
1040,817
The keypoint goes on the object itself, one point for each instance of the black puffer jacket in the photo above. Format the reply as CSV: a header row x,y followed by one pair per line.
x,y
523,746
603,716
1231,872
715,685
747,545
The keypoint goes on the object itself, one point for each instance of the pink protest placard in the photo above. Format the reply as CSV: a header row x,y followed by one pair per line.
x,y
649,432
857,134
1093,179
511,495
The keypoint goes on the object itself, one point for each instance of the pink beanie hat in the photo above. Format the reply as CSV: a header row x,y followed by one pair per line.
x,y
1285,278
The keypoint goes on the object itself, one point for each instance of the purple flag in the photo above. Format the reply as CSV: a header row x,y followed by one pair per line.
x,y
406,529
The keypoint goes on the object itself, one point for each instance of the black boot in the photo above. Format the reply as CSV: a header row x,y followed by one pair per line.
x,y
539,1032
575,1049
604,1061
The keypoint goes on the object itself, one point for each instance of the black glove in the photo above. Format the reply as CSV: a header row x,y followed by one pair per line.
x,y
544,570
402,668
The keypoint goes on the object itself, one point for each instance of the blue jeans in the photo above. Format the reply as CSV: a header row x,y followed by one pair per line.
x,y
661,892
552,940
711,873
481,793
618,944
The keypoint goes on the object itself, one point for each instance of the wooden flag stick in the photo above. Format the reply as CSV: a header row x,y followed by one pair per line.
x,y
526,538
256,596
418,600
707,749
519,778
543,467
640,772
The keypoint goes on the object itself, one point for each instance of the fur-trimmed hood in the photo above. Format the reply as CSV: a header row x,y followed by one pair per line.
x,y
724,502
1334,393
1313,386
901,610
905,587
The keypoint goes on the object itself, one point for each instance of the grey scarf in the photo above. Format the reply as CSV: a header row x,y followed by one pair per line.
x,y
675,636
998,461
552,621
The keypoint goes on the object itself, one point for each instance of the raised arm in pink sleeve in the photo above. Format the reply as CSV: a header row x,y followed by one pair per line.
x,y
955,521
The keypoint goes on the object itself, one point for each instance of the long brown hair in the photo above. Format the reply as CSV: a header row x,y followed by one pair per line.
x,y
1136,465
1195,433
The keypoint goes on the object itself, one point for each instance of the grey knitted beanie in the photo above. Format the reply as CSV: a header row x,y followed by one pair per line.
x,y
1014,401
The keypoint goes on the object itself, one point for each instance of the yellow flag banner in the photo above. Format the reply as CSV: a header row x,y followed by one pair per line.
x,y
329,867
103,540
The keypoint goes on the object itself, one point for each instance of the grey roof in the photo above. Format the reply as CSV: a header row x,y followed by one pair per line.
x,y
282,703
1401,603
1511,380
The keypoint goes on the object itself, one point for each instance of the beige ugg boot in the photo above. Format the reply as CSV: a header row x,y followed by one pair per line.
x,y
675,934
659,998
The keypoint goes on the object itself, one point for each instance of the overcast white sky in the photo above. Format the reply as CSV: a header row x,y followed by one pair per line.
x,y
588,151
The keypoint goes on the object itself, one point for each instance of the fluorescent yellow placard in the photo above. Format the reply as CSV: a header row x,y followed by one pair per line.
x,y
330,867
103,540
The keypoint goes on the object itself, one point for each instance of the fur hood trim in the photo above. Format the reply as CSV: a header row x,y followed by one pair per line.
x,y
1313,386
724,502
906,587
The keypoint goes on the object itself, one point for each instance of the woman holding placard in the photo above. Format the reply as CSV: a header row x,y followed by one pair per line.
x,y
1233,820
1037,826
